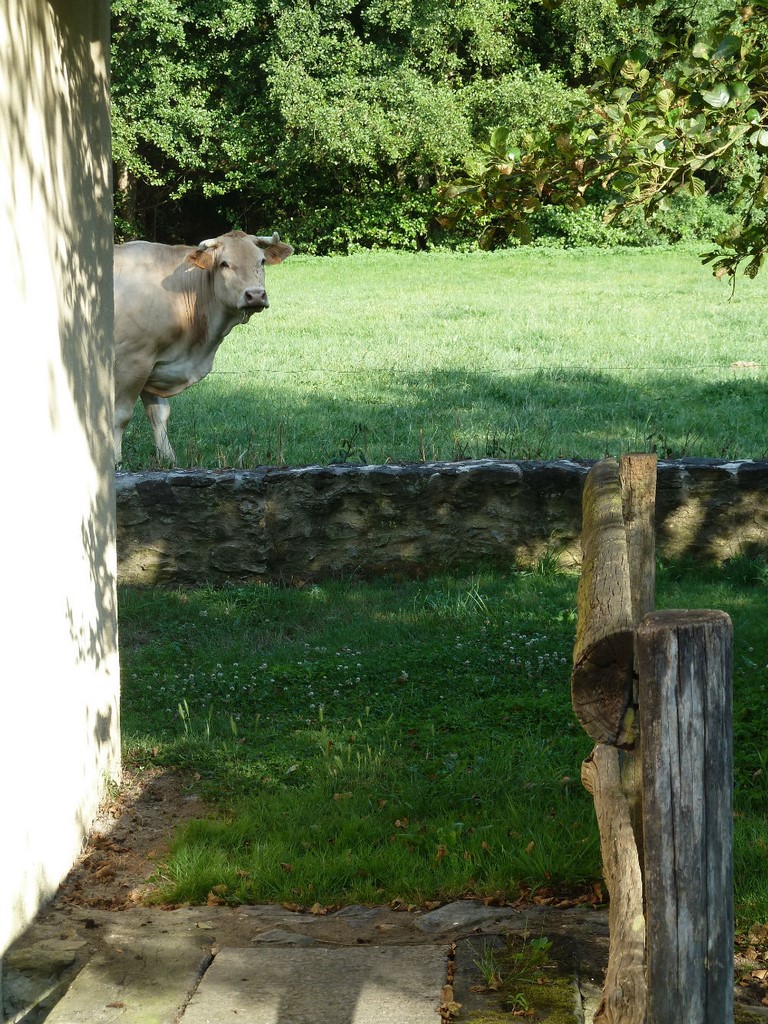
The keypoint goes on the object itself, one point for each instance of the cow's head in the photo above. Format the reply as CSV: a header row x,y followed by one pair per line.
x,y
236,264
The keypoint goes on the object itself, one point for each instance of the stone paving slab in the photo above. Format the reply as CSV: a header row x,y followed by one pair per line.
x,y
356,985
141,977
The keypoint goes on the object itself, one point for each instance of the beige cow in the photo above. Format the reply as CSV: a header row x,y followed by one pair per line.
x,y
174,305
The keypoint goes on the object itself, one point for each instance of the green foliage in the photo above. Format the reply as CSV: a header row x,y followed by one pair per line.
x,y
677,121
581,32
554,225
521,100
677,115
181,100
685,218
513,180
290,113
341,122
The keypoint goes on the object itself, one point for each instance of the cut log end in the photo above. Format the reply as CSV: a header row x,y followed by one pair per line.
x,y
602,689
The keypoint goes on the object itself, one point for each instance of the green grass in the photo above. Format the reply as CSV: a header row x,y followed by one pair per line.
x,y
521,354
407,741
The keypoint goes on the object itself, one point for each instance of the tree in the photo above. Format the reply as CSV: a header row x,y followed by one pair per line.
x,y
333,120
685,113
180,98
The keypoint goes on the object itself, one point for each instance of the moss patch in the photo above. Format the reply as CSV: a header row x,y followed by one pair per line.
x,y
514,976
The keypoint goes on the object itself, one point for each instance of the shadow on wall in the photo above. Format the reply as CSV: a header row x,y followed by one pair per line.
x,y
57,212
66,186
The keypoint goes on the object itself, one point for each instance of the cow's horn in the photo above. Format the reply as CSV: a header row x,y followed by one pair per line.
x,y
267,239
209,243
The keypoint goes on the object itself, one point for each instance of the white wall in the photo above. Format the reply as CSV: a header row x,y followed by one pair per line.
x,y
59,728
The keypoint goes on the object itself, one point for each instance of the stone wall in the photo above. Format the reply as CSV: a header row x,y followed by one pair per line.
x,y
236,526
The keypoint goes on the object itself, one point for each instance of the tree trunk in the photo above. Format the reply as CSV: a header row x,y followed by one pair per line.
x,y
638,501
617,587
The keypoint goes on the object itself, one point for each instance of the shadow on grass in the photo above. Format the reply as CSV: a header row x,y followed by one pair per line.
x,y
400,741
367,743
308,418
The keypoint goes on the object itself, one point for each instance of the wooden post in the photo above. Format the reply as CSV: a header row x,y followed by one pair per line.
x,y
638,501
603,655
623,996
637,473
617,587
685,665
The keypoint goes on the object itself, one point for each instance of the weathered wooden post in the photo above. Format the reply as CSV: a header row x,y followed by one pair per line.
x,y
656,696
684,661
617,587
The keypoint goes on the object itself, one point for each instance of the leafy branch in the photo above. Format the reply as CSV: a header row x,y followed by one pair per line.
x,y
655,125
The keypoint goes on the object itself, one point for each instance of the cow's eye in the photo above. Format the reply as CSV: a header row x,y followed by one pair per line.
x,y
224,265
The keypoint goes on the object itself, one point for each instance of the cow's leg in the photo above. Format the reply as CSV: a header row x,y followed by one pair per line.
x,y
118,444
158,410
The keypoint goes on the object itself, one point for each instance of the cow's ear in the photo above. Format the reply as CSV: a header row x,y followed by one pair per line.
x,y
276,252
201,259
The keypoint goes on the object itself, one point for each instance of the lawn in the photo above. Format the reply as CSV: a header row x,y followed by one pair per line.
x,y
407,741
528,353
414,741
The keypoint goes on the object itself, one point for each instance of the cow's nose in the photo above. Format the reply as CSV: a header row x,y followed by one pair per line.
x,y
256,297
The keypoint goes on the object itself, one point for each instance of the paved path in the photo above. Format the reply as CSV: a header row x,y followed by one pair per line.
x,y
267,965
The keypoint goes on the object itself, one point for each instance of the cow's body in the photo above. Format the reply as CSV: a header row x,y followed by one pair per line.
x,y
174,305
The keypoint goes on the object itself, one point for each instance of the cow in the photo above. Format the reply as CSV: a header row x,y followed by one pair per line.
x,y
174,305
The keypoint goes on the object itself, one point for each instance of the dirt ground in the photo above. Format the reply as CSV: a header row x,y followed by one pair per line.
x,y
130,837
